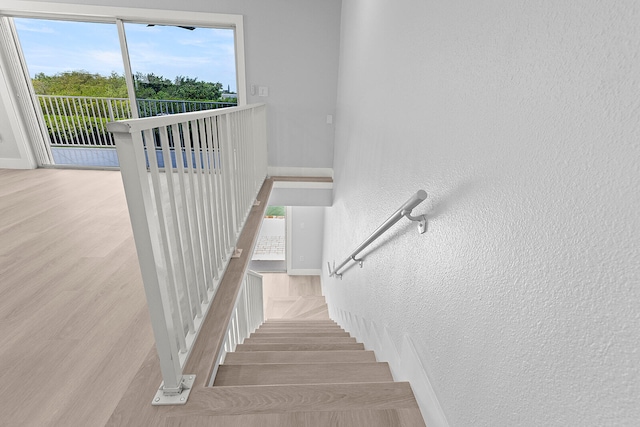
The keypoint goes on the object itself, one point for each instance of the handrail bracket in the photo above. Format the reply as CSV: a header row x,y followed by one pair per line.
x,y
421,220
332,271
359,261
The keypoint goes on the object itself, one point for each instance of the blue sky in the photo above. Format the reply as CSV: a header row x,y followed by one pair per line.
x,y
52,47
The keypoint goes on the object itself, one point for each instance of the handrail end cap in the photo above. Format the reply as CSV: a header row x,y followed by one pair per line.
x,y
118,127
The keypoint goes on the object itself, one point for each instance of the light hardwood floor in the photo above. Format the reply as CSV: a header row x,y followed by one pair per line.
x,y
284,294
74,327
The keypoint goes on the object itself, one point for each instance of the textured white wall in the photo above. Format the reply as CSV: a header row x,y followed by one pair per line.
x,y
521,121
292,48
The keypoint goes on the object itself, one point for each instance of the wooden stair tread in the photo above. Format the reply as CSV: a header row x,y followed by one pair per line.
x,y
306,324
299,340
268,327
300,368
405,417
337,356
300,331
322,373
221,400
298,347
293,334
294,327
298,322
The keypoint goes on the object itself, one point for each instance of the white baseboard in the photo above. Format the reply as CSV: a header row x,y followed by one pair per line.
x,y
291,171
405,363
304,272
15,164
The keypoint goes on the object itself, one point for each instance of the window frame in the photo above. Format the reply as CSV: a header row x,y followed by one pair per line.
x,y
115,15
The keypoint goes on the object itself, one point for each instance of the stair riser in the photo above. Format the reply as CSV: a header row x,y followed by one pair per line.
x,y
301,328
300,340
339,356
298,347
288,322
262,334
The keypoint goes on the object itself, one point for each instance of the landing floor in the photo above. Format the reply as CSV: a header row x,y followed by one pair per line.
x,y
74,327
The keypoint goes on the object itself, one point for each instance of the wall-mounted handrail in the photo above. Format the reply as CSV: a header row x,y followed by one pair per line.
x,y
404,211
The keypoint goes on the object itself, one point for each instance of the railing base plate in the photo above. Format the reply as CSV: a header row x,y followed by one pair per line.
x,y
175,399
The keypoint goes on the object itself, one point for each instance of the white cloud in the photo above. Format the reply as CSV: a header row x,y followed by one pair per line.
x,y
22,26
107,58
192,42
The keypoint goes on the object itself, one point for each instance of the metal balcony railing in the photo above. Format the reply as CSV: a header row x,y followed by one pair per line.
x,y
81,121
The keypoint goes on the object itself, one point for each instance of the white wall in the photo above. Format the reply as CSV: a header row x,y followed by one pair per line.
x,y
288,193
292,48
14,152
305,230
521,121
8,147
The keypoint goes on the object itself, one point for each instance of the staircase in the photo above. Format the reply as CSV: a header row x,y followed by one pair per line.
x,y
302,369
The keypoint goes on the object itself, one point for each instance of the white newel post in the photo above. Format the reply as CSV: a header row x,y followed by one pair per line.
x,y
145,225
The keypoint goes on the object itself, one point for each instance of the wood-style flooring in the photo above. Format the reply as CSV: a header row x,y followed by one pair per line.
x,y
287,296
74,327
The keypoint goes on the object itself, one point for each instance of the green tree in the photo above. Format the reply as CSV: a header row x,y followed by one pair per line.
x,y
147,86
192,89
150,86
81,83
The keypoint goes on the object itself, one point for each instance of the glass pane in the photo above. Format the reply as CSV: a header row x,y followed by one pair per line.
x,y
78,75
180,69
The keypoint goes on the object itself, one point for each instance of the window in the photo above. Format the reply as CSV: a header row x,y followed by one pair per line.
x,y
81,78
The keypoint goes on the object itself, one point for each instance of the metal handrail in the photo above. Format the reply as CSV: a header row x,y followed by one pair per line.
x,y
404,211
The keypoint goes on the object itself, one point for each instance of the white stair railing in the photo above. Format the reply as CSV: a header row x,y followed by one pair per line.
x,y
190,181
247,316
